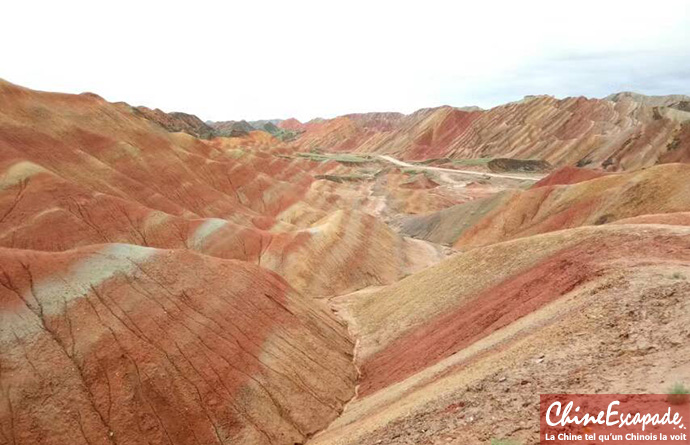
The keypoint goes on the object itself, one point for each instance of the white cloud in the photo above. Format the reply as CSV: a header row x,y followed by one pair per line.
x,y
229,60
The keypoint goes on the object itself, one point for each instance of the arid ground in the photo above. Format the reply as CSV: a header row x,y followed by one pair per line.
x,y
374,278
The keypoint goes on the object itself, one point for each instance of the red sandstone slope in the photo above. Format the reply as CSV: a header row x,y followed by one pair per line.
x,y
625,134
111,150
126,344
660,189
503,303
77,170
168,339
125,341
568,175
565,199
351,245
460,351
291,124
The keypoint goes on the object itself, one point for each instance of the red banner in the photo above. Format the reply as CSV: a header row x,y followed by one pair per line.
x,y
614,418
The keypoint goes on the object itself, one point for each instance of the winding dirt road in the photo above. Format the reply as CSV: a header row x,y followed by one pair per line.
x,y
392,160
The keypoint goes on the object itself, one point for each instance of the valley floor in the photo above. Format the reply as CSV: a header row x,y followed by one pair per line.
x,y
622,328
168,281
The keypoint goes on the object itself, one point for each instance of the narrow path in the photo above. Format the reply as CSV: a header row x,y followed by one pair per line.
x,y
451,170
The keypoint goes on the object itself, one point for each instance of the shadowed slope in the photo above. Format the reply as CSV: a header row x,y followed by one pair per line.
x,y
678,148
659,189
565,199
175,122
447,225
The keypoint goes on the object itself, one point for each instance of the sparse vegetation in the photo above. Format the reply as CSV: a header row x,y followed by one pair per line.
x,y
368,171
433,161
673,145
679,388
678,394
344,178
410,171
504,442
280,133
518,165
473,161
677,276
344,158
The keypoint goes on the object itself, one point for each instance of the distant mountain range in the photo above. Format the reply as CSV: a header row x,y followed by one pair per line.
x,y
160,283
624,130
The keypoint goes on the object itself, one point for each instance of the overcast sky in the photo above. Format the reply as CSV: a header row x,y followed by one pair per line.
x,y
279,59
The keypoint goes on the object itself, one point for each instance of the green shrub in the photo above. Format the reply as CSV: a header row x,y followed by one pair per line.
x,y
678,394
679,388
